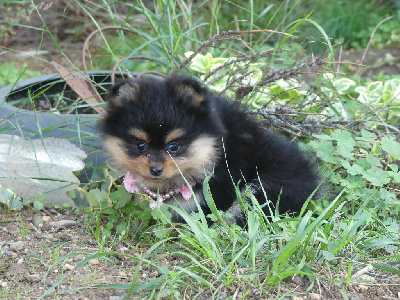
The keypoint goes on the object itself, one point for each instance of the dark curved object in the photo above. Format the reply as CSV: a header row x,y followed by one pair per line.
x,y
80,127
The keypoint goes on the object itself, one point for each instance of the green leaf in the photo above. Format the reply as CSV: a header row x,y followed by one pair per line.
x,y
391,147
354,169
386,268
345,143
121,197
8,198
38,205
377,176
326,151
79,196
161,213
343,84
368,135
97,198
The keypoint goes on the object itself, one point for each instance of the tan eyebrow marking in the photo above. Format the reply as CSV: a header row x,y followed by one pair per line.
x,y
139,134
174,134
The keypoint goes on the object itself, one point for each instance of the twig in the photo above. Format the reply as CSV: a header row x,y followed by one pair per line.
x,y
223,35
372,35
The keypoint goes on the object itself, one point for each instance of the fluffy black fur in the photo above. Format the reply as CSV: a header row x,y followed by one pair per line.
x,y
143,112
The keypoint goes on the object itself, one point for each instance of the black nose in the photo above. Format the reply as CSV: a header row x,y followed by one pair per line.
x,y
156,170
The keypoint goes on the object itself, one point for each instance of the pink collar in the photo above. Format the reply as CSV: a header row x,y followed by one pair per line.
x,y
130,185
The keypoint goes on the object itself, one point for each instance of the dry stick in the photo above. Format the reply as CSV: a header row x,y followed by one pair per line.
x,y
151,72
374,113
223,35
372,35
236,60
114,69
85,46
290,72
339,60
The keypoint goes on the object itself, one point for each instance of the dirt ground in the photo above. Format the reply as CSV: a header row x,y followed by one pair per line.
x,y
40,250
32,243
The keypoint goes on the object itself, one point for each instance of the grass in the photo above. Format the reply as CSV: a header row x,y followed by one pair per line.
x,y
355,225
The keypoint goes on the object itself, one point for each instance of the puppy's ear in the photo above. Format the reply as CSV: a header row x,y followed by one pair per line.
x,y
188,91
123,92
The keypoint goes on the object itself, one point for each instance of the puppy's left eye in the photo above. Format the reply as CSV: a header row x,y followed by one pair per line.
x,y
173,147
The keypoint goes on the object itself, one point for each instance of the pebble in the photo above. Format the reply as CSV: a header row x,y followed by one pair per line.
x,y
363,278
58,225
297,280
33,278
64,237
6,252
12,229
362,288
94,261
3,284
37,221
69,267
79,257
122,274
16,246
315,296
46,219
154,274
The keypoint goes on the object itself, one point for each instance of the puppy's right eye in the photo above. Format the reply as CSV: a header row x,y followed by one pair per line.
x,y
141,146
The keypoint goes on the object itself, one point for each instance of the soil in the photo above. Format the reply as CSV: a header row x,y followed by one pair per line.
x,y
39,248
43,250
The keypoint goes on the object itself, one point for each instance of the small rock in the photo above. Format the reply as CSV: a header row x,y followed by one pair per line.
x,y
64,237
59,225
33,278
3,284
16,246
363,288
154,274
11,229
144,275
46,219
180,263
122,274
94,261
297,298
297,280
50,283
37,221
5,251
20,261
79,257
363,278
315,296
223,296
69,267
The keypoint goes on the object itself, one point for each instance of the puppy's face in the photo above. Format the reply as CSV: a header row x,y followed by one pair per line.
x,y
160,130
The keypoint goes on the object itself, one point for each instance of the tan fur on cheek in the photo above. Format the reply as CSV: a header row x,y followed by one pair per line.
x,y
115,148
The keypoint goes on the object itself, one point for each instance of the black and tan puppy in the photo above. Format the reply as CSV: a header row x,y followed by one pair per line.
x,y
168,133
